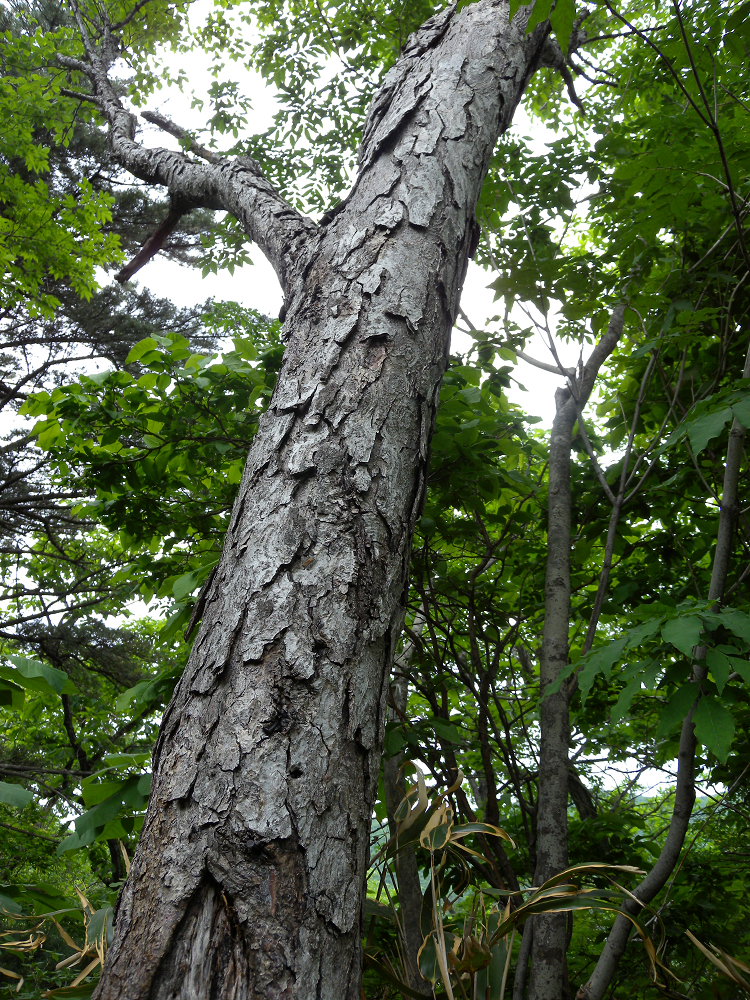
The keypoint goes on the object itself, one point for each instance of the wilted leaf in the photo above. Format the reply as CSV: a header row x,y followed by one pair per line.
x,y
437,832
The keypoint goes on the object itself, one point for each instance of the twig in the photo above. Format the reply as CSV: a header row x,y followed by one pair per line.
x,y
166,125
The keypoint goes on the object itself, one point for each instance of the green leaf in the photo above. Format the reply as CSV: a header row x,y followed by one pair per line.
x,y
395,740
11,695
720,666
741,410
562,17
714,727
600,660
35,676
683,633
676,709
641,632
540,13
141,348
446,730
14,795
375,909
8,905
184,585
709,426
81,992
130,794
644,672
742,667
737,622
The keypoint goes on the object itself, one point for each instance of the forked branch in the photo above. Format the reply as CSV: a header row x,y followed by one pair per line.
x,y
232,184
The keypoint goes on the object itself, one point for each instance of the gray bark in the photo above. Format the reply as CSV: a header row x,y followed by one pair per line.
x,y
249,876
549,943
684,801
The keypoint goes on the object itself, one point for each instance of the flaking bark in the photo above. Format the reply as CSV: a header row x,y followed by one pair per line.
x,y
248,880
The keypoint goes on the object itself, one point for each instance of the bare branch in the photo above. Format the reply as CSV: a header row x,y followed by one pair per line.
x,y
152,245
235,185
555,369
78,96
166,125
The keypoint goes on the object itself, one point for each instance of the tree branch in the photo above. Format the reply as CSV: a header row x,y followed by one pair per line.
x,y
152,245
234,185
166,125
656,879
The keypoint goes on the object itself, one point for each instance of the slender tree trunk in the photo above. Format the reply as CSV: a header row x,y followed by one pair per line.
x,y
656,879
249,876
549,943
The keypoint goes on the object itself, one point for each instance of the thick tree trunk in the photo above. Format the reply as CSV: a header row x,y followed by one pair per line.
x,y
248,880
549,943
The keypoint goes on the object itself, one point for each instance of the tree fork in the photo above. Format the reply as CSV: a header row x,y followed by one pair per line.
x,y
249,876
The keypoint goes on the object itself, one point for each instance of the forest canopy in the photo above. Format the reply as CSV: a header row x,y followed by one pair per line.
x,y
577,598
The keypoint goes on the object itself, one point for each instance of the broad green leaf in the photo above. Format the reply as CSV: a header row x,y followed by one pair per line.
x,y
446,730
707,427
141,348
36,676
540,13
720,666
375,909
683,633
642,673
427,956
622,706
14,795
100,925
742,667
466,829
8,905
737,622
642,632
130,794
561,18
81,992
437,832
676,709
11,695
714,727
741,410
394,741
599,661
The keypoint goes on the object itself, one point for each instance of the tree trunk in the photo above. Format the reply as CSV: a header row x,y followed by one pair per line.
x,y
549,943
249,876
684,802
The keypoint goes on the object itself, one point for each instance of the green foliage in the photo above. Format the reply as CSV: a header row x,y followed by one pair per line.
x,y
643,200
